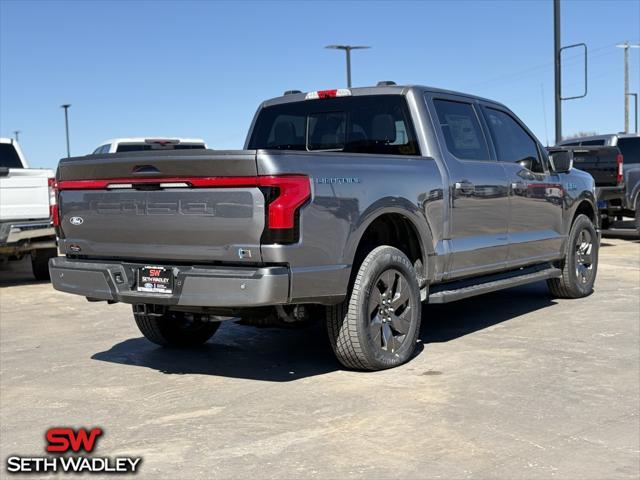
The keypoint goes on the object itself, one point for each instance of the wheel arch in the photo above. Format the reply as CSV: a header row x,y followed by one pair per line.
x,y
400,225
586,206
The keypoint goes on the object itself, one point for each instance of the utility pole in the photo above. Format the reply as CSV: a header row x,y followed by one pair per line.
x,y
635,107
17,135
626,46
557,69
347,49
66,125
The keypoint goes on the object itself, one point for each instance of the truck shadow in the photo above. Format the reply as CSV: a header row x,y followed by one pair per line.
x,y
443,323
283,355
18,272
236,351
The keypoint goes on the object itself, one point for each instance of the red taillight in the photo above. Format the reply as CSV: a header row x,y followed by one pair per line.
x,y
54,215
293,191
620,162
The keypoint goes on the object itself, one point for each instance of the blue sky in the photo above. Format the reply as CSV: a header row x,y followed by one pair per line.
x,y
200,68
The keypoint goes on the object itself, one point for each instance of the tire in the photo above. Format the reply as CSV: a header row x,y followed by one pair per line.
x,y
362,335
40,262
176,329
605,223
580,264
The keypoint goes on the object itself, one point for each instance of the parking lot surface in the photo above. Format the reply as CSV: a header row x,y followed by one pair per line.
x,y
509,385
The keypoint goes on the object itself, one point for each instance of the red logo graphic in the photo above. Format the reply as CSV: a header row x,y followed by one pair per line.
x,y
65,439
154,272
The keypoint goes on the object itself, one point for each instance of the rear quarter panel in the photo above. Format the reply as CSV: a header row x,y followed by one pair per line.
x,y
349,191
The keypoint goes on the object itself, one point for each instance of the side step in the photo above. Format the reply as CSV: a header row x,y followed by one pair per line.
x,y
458,290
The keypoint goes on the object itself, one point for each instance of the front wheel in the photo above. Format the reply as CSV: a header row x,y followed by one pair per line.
x,y
176,329
580,264
377,325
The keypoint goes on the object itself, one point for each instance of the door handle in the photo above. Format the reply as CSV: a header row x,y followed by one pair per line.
x,y
465,187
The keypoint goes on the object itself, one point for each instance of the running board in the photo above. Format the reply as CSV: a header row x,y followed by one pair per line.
x,y
519,277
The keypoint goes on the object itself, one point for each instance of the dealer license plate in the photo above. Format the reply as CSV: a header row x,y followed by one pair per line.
x,y
155,280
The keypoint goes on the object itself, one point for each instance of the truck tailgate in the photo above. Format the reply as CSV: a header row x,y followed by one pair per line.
x,y
600,162
162,206
24,194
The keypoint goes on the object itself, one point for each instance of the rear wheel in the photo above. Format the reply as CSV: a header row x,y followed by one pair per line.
x,y
580,264
377,325
40,262
176,329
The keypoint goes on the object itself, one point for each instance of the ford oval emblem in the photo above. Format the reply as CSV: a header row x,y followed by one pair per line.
x,y
76,220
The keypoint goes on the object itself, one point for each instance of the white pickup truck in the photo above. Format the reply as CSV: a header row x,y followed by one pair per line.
x,y
26,200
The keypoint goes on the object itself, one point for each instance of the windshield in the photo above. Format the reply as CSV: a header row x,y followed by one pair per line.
x,y
630,149
377,124
9,157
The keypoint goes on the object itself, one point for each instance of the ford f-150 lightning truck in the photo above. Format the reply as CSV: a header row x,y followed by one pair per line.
x,y
356,204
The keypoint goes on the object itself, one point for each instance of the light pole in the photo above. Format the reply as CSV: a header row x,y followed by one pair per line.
x,y
347,49
17,135
635,107
66,125
557,69
626,46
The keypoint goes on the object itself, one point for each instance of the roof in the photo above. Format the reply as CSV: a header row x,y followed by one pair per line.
x,y
378,90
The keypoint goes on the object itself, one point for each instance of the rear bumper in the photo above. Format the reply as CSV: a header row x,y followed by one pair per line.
x,y
17,231
193,286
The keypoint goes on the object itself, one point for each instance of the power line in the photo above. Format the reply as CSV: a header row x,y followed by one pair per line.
x,y
542,66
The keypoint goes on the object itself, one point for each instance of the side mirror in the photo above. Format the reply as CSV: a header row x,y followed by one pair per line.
x,y
561,160
4,171
526,163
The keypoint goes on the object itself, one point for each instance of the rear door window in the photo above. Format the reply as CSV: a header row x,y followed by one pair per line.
x,y
630,149
9,156
461,130
373,124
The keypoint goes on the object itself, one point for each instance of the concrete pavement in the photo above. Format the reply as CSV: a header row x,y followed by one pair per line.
x,y
510,385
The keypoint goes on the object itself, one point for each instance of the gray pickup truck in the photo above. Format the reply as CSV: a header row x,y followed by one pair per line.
x,y
620,197
356,205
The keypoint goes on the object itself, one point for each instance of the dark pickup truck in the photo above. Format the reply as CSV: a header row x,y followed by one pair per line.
x,y
614,162
355,205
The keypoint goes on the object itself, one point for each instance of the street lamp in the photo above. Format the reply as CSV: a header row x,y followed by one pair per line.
x,y
626,46
66,125
347,49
